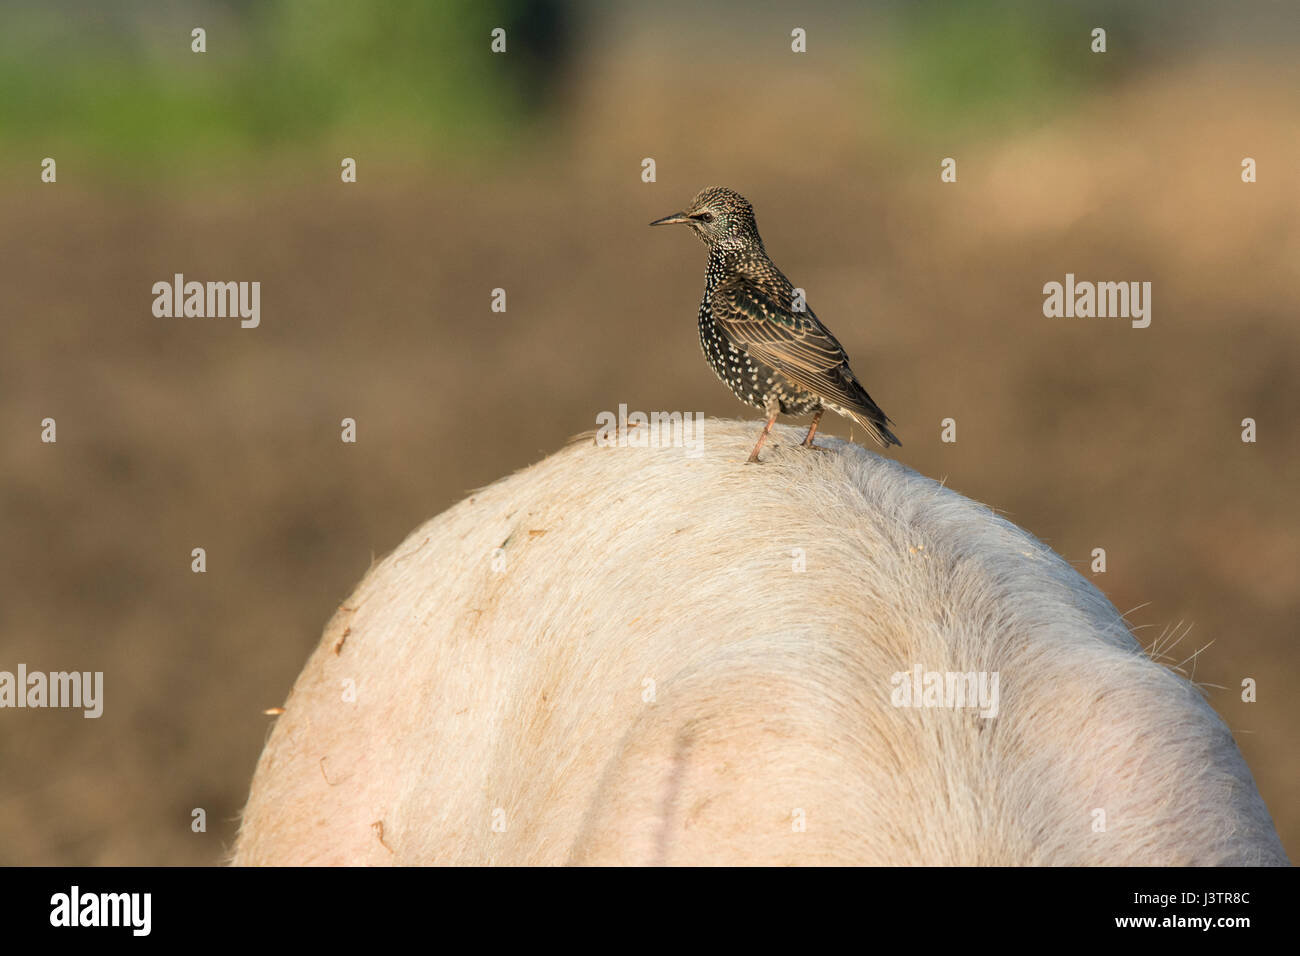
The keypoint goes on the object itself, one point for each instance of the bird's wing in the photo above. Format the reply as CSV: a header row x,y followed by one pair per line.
x,y
794,343
752,312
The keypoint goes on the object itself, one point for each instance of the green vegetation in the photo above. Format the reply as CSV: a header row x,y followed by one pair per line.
x,y
123,81
959,63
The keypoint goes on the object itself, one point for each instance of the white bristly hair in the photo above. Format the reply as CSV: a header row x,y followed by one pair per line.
x,y
613,656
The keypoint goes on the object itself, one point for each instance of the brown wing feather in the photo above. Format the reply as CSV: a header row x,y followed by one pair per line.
x,y
796,344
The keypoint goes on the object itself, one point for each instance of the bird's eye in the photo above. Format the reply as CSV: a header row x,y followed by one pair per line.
x,y
705,217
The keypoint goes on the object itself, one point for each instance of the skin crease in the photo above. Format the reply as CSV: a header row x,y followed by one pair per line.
x,y
627,655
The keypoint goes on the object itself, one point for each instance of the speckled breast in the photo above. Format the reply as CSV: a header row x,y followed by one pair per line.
x,y
750,381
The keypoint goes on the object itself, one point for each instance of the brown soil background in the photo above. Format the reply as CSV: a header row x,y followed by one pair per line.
x,y
177,433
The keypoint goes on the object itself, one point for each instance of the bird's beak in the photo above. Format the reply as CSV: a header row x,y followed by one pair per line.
x,y
668,220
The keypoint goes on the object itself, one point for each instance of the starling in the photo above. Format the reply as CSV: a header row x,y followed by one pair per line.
x,y
771,351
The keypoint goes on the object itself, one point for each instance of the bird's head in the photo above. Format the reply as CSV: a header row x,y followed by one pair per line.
x,y
718,216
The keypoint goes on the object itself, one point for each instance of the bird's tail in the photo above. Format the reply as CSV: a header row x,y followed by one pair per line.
x,y
878,428
869,416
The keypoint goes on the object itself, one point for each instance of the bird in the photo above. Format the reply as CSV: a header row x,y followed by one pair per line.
x,y
760,338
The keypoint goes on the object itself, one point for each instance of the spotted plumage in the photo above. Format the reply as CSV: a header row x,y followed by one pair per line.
x,y
767,347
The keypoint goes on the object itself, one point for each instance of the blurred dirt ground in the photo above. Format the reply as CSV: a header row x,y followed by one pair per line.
x,y
180,433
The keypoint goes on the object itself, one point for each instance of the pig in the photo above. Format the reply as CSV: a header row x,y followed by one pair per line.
x,y
648,652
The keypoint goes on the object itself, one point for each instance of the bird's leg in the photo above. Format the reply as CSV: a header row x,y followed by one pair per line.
x,y
753,456
808,440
